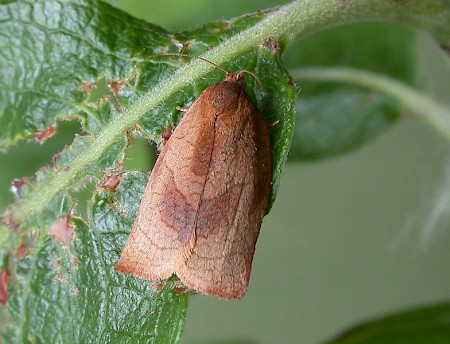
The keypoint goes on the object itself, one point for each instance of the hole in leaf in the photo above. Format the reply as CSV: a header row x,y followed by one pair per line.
x,y
141,155
82,196
103,90
26,157
99,90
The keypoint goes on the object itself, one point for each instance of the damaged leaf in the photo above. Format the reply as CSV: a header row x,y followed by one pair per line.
x,y
62,230
87,301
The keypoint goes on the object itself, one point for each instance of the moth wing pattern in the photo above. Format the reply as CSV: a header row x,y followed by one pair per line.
x,y
163,233
206,197
234,199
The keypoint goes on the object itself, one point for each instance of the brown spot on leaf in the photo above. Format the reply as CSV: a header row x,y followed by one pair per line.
x,y
58,263
157,285
104,98
272,44
42,135
21,251
6,219
111,182
62,229
55,159
115,86
17,185
74,261
87,86
4,277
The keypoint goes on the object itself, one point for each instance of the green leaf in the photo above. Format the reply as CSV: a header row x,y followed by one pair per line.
x,y
334,118
141,70
132,310
84,59
284,24
70,292
46,61
425,325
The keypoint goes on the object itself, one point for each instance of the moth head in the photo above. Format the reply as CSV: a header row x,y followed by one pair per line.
x,y
238,77
232,77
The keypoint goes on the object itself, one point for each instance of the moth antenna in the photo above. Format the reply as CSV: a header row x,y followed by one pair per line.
x,y
252,74
238,74
197,57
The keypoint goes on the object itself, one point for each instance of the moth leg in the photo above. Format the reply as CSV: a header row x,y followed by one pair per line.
x,y
172,283
167,133
180,108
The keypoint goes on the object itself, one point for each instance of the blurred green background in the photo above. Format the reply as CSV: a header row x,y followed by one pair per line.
x,y
348,239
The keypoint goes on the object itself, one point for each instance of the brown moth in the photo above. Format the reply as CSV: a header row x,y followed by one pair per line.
x,y
206,197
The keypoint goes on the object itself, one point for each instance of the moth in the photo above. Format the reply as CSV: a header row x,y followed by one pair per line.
x,y
206,196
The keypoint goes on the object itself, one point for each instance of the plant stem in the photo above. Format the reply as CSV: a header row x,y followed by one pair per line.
x,y
297,19
435,114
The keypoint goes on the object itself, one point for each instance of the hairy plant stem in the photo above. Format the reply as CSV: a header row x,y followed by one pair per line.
x,y
297,19
435,114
